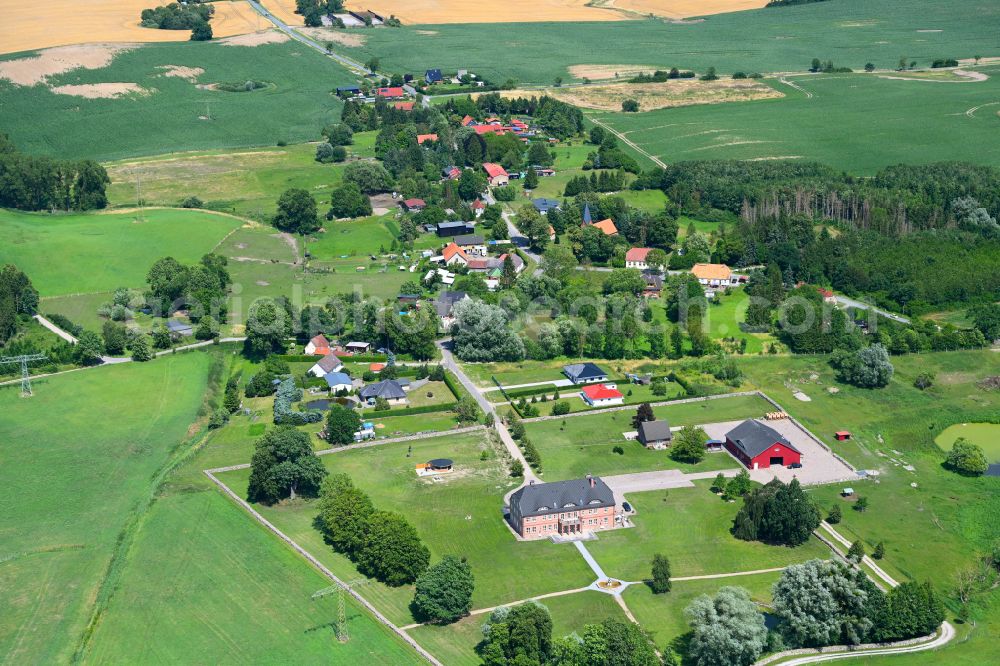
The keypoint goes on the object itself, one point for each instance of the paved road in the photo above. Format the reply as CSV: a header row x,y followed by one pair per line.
x,y
946,635
55,329
448,361
852,303
642,482
522,242
350,63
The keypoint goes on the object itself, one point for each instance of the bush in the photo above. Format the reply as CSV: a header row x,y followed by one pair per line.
x,y
286,394
630,106
967,458
560,408
192,202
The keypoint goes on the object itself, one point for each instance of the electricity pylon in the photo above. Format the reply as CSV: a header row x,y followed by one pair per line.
x,y
341,589
25,377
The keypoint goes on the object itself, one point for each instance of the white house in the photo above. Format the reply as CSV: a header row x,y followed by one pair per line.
x,y
326,365
636,258
318,346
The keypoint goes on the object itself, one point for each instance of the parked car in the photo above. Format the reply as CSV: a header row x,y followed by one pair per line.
x,y
626,507
795,466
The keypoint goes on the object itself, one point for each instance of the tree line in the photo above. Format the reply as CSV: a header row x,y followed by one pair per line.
x,y
29,182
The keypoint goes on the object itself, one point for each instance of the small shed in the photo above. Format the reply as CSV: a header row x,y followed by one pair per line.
x,y
842,435
847,492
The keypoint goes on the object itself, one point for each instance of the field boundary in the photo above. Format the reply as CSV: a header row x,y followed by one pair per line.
x,y
319,566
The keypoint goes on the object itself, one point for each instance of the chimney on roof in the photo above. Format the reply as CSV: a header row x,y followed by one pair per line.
x,y
593,482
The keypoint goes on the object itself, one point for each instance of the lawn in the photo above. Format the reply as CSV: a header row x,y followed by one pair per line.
x,y
459,515
663,614
986,435
177,115
79,458
580,445
878,124
101,252
851,32
723,319
455,644
691,527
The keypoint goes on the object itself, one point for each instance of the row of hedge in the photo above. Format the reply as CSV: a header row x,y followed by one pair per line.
x,y
408,411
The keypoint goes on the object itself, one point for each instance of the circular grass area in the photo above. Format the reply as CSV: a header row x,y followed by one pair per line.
x,y
986,435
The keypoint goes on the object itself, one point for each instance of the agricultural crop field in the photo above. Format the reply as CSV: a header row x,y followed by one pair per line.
x,y
171,88
86,484
27,27
856,122
851,32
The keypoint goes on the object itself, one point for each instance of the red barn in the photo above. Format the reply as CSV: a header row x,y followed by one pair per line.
x,y
757,445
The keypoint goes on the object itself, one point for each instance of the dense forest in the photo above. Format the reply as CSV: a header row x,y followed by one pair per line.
x,y
28,182
898,200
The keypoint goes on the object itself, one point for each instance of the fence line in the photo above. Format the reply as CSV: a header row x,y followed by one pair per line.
x,y
322,569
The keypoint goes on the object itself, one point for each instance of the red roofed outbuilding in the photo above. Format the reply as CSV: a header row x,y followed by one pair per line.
x,y
601,395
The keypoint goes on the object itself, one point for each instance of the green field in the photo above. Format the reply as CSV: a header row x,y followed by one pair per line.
x,y
178,115
986,435
460,515
79,458
856,122
663,614
226,591
454,644
71,254
851,32
580,445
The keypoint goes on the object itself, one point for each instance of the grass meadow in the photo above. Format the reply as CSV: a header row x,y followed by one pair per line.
x,y
455,644
176,115
851,32
459,515
79,457
856,122
70,254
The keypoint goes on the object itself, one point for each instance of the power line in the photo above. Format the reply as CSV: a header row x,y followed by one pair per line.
x,y
25,376
340,590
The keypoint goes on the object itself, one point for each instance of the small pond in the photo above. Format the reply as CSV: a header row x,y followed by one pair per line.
x,y
319,405
986,435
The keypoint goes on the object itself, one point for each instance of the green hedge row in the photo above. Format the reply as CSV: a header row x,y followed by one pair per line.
x,y
408,411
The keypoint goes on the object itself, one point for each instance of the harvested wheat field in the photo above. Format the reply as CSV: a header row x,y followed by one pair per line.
x,y
284,10
678,9
29,26
653,96
416,12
